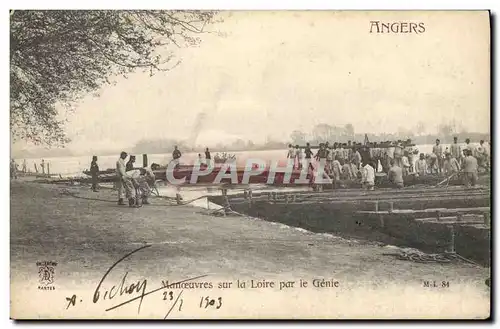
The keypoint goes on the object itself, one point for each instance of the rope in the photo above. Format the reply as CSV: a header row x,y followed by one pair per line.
x,y
182,203
224,210
74,195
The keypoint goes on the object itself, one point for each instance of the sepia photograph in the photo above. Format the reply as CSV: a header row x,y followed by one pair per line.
x,y
250,164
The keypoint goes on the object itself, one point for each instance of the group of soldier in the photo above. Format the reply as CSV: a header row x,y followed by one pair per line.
x,y
354,161
343,162
457,159
134,184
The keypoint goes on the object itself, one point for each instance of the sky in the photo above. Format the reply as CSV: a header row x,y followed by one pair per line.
x,y
275,72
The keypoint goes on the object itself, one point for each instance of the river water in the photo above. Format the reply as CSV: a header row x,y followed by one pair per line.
x,y
75,165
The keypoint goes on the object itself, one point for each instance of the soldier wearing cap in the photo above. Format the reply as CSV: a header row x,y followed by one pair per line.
x,y
123,183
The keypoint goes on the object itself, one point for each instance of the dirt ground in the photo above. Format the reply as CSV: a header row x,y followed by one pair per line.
x,y
85,237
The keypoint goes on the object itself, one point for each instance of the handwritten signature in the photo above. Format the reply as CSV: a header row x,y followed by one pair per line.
x,y
136,289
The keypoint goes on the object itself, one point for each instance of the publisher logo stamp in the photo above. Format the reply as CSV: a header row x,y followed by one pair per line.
x,y
46,272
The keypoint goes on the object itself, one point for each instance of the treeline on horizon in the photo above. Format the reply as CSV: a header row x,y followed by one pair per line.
x,y
156,146
159,146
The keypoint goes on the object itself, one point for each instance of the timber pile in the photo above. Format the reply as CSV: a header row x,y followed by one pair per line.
x,y
444,216
64,180
435,219
346,195
466,231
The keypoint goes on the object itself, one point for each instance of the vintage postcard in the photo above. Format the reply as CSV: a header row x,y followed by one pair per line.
x,y
250,164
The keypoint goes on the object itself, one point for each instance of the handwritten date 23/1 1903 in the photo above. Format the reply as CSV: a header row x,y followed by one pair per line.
x,y
138,290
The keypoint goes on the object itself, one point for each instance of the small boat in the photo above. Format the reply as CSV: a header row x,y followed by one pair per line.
x,y
107,175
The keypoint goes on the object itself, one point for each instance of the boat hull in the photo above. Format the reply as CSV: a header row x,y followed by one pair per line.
x,y
215,176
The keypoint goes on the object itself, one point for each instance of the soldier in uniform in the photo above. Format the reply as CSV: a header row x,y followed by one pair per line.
x,y
142,180
123,183
94,172
13,169
130,164
437,150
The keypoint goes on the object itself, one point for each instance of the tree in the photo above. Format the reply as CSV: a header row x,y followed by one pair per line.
x,y
58,56
323,132
298,137
404,133
349,130
461,129
445,130
420,128
238,144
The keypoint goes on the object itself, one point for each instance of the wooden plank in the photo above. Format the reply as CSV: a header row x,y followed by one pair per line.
x,y
478,226
368,195
378,192
425,211
452,219
359,192
454,223
394,199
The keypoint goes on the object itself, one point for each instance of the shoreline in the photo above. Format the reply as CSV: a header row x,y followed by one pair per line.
x,y
84,237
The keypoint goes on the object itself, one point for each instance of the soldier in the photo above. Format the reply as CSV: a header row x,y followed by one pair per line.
x,y
470,169
482,155
146,184
336,170
329,159
13,169
354,169
130,164
398,155
406,164
142,180
208,158
307,154
455,149
298,157
395,174
437,150
121,183
469,146
451,165
368,177
321,154
291,155
421,166
94,172
176,154
356,157
346,170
